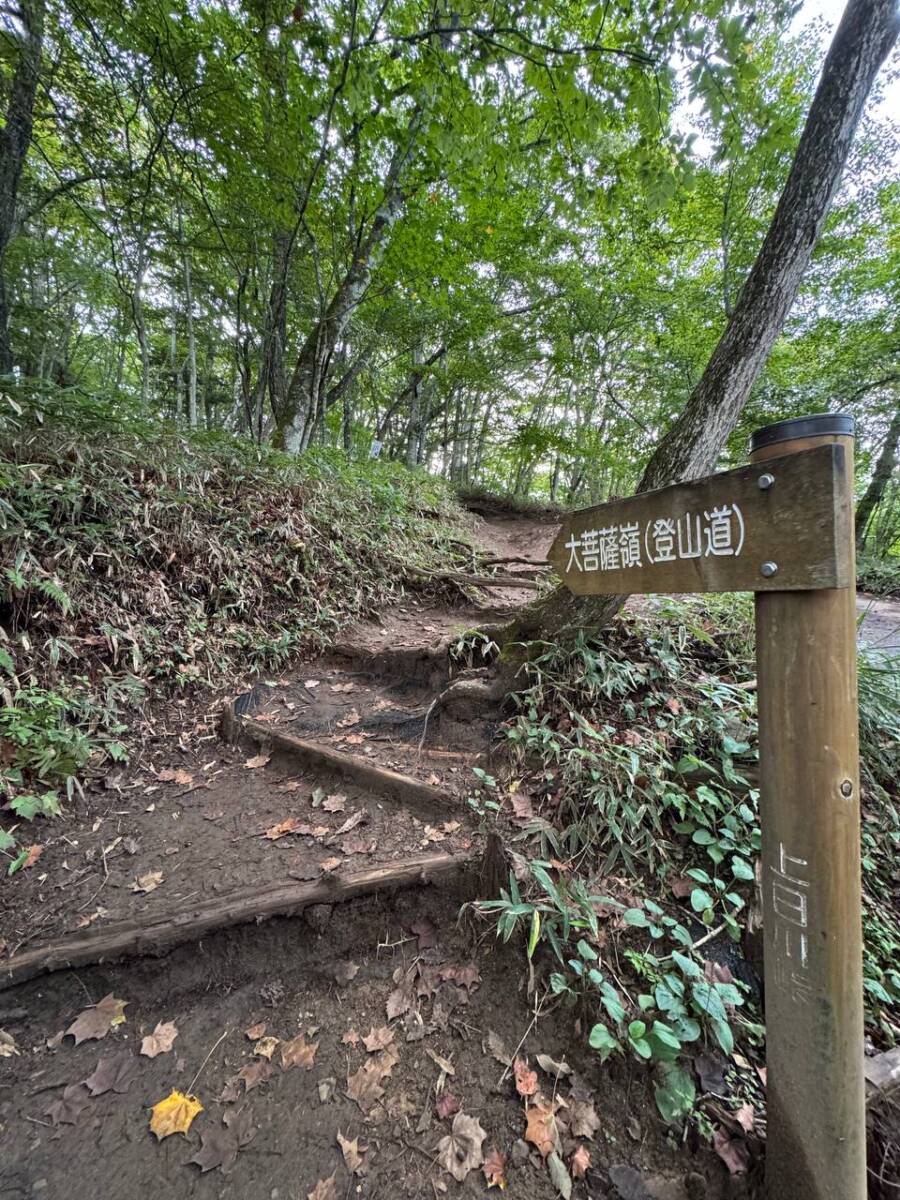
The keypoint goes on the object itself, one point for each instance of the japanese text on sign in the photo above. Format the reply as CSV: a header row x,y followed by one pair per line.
x,y
789,896
718,532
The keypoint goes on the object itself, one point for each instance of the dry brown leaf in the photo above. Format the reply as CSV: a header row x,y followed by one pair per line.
x,y
298,1052
266,1047
352,821
174,1114
466,975
325,1189
378,1039
71,1104
312,683
283,828
329,865
181,777
255,1032
746,1117
359,843
255,1073
343,687
344,972
459,1152
147,883
494,1168
258,760
8,1045
353,739
581,1161
446,1067
364,1086
336,802
160,1040
446,1105
541,1128
353,1153
497,1048
425,932
96,1022
352,718
219,1145
89,918
34,853
552,1067
290,785
113,1073
732,1151
526,1079
583,1119
350,1038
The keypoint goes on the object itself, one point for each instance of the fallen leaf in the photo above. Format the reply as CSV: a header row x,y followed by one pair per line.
x,y
498,1049
522,807
746,1117
377,1039
325,1189
290,785
559,1176
8,1045
343,687
552,1067
255,1032
364,1086
581,1160
711,1073
258,760
255,1073
95,1022
446,1105
425,932
353,739
34,853
181,777
583,1119
89,918
353,1154
526,1079
147,883
399,1001
350,1038
467,975
266,1047
335,803
541,1129
69,1106
352,821
359,843
352,718
312,683
433,835
459,1152
160,1040
446,1067
329,865
298,1052
113,1073
220,1144
732,1151
174,1114
494,1168
326,1088
344,972
283,828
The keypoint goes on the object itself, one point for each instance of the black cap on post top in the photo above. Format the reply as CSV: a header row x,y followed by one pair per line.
x,y
816,425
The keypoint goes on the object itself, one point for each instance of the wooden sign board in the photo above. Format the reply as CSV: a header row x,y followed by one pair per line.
x,y
776,526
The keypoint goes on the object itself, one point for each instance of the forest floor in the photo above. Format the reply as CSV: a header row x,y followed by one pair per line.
x,y
385,1020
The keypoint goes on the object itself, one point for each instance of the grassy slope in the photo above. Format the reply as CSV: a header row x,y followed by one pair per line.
x,y
135,557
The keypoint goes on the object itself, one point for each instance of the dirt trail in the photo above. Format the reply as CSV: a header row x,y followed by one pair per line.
x,y
183,832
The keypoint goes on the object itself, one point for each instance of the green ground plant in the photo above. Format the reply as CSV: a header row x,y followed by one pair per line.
x,y
634,864
137,554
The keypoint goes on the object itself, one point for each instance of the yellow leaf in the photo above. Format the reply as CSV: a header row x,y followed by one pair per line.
x,y
174,1114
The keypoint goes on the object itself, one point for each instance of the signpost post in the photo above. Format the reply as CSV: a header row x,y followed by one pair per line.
x,y
781,528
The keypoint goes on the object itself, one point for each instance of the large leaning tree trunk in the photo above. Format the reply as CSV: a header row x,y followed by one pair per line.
x,y
692,446
15,137
881,477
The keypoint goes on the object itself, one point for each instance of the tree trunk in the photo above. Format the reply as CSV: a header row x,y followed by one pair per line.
x,y
881,477
189,321
300,406
692,446
15,137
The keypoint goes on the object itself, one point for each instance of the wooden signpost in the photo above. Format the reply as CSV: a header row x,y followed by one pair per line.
x,y
781,528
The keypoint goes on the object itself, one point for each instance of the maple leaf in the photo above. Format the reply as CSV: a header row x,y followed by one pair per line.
x,y
95,1022
459,1152
467,975
344,972
258,760
541,1128
266,1046
732,1151
425,932
160,1040
219,1145
174,1114
377,1039
67,1108
255,1032
526,1079
580,1162
325,1189
359,843
255,1073
399,1001
497,1048
350,1038
147,883
113,1073
353,1154
352,718
298,1052
335,803
181,777
522,807
364,1086
494,1168
329,865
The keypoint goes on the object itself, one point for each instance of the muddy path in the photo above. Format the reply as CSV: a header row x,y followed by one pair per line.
x,y
364,1007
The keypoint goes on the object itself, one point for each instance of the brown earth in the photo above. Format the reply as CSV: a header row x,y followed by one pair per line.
x,y
188,821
